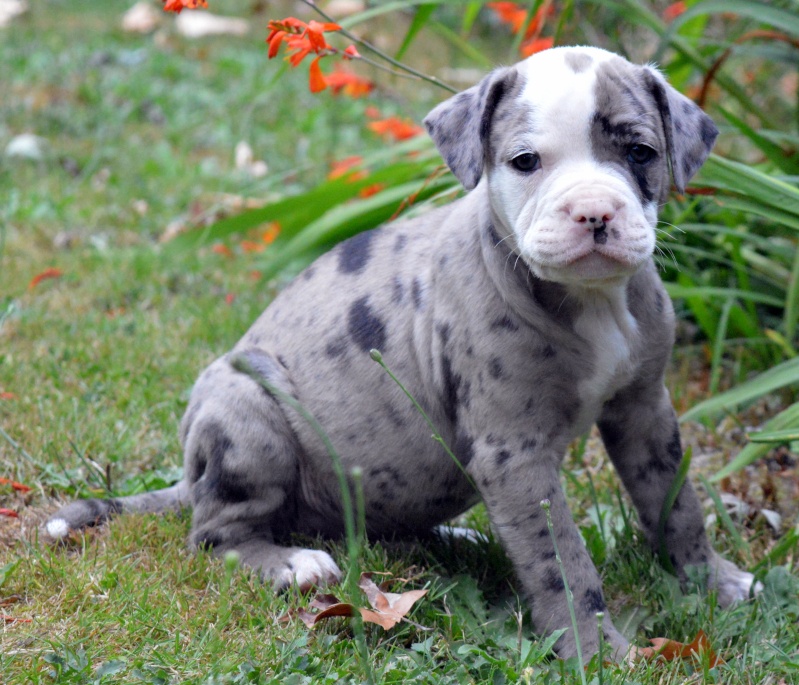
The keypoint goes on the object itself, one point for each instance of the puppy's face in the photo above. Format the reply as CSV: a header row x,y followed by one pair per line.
x,y
575,145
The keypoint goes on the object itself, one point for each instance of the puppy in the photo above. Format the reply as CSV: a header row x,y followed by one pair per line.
x,y
517,316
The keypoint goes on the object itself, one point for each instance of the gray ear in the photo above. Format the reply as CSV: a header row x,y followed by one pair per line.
x,y
460,126
690,133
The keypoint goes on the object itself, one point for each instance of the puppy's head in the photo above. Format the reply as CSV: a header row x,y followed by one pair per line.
x,y
576,146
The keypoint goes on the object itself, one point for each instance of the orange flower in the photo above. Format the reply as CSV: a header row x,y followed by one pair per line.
x,y
674,10
510,13
316,79
271,233
52,272
371,190
230,298
536,45
342,80
221,249
515,15
344,167
252,246
300,38
372,112
19,487
394,128
179,5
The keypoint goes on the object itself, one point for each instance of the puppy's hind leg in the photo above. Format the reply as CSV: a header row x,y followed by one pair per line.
x,y
242,461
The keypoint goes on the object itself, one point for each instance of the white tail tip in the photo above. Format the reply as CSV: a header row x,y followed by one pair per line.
x,y
57,528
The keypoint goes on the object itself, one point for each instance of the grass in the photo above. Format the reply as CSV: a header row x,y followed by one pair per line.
x,y
95,368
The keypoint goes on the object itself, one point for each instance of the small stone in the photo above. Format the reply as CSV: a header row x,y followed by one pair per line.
x,y
27,146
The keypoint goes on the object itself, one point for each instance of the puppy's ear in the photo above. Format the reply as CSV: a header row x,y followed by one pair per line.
x,y
690,133
460,126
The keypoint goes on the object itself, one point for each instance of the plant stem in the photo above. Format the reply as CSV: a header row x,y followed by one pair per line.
x,y
377,51
546,506
376,356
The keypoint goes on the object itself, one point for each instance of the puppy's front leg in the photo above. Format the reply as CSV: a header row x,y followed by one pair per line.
x,y
513,478
640,432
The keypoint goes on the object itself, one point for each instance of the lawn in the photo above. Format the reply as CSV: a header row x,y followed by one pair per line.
x,y
106,319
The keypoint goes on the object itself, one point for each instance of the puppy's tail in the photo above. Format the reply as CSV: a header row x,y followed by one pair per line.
x,y
91,512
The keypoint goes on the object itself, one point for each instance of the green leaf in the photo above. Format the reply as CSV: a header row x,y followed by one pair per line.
x,y
781,436
343,221
296,212
688,292
791,314
784,159
775,378
7,570
420,18
668,504
751,183
470,14
783,20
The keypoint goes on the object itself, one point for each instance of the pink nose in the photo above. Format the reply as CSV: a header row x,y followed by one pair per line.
x,y
592,212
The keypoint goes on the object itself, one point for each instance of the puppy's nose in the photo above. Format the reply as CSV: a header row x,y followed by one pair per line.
x,y
594,213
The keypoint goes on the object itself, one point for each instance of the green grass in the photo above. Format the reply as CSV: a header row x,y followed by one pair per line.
x,y
99,362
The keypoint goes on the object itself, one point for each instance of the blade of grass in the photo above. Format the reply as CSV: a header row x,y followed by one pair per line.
x,y
665,511
775,378
740,544
718,345
786,419
420,19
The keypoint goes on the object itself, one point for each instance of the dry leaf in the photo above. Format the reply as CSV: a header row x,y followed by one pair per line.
x,y
671,650
388,608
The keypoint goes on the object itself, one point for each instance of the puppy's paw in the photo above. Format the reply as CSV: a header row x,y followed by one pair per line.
x,y
731,583
305,568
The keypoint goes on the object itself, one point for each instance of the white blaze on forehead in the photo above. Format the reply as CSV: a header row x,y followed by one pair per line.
x,y
560,83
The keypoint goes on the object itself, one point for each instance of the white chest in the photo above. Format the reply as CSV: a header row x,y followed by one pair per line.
x,y
609,333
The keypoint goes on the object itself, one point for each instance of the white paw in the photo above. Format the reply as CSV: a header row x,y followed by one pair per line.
x,y
57,528
446,532
309,568
732,584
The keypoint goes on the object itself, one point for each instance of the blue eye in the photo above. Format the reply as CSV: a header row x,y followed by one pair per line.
x,y
640,153
526,163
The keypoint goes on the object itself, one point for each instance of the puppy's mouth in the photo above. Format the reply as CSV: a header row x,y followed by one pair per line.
x,y
594,266
600,265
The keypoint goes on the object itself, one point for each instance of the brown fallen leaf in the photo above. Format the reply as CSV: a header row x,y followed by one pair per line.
x,y
671,650
14,619
388,608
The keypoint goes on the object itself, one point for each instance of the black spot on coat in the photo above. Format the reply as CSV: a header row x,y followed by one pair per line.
x,y
592,601
354,253
365,328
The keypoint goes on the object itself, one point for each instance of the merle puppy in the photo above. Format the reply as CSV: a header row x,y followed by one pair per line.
x,y
518,316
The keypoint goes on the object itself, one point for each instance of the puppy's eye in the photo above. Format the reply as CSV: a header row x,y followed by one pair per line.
x,y
640,153
526,163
